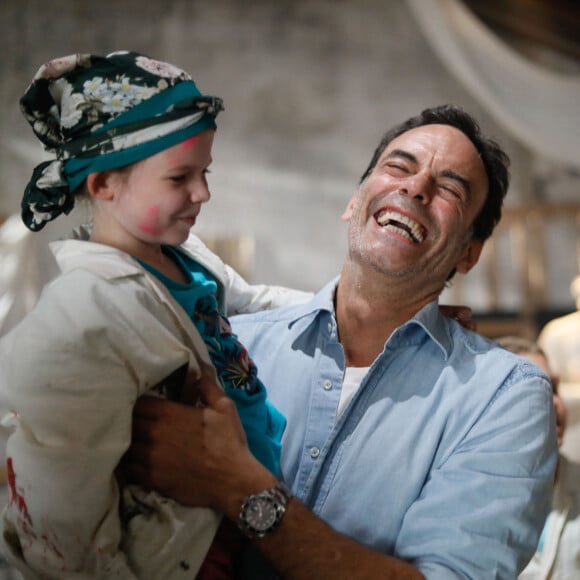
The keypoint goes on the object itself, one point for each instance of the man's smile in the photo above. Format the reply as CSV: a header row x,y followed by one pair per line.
x,y
401,224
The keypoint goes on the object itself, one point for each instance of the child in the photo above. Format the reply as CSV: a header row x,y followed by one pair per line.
x,y
135,308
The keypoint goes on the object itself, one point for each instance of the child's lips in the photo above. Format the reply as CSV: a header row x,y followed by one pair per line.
x,y
189,219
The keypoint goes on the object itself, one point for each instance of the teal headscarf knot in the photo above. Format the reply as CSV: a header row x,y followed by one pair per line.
x,y
46,196
97,113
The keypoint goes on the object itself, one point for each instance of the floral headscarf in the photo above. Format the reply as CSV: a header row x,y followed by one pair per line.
x,y
103,112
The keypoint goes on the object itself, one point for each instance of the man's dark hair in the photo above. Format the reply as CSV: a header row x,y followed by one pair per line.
x,y
495,160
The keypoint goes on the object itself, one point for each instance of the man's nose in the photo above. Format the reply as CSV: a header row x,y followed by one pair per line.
x,y
419,188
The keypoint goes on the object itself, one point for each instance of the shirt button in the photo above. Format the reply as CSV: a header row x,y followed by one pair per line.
x,y
327,385
314,452
329,327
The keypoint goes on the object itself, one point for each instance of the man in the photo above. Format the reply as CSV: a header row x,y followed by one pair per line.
x,y
558,553
414,448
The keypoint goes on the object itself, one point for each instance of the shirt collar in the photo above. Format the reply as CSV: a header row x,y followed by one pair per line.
x,y
428,321
322,301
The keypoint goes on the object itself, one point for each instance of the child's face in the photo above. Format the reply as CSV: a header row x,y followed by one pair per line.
x,y
160,198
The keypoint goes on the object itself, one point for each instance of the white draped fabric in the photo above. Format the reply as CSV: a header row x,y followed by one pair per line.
x,y
538,106
25,265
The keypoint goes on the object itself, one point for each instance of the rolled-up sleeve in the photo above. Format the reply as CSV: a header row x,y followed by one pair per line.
x,y
482,509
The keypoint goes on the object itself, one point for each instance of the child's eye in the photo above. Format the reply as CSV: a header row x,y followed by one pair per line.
x,y
177,178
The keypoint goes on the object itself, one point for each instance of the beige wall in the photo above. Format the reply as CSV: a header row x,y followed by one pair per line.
x,y
309,86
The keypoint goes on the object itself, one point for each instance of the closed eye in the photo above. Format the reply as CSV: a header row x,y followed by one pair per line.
x,y
452,191
458,185
396,168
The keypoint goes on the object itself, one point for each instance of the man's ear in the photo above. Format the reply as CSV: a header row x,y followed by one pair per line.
x,y
347,214
470,256
101,185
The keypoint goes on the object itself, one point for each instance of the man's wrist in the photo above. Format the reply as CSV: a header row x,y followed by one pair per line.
x,y
261,513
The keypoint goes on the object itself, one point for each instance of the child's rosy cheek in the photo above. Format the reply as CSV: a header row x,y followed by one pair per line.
x,y
149,224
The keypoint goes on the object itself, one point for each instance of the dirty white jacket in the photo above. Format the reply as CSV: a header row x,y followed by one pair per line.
x,y
102,334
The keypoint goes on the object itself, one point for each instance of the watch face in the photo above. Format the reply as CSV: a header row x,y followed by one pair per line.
x,y
261,514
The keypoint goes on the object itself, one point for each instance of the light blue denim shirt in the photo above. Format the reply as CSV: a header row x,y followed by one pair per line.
x,y
445,455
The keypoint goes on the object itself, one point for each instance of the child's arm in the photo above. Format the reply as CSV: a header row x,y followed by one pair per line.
x,y
243,297
240,296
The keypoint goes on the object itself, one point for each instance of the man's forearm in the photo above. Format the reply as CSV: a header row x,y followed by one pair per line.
x,y
199,457
304,547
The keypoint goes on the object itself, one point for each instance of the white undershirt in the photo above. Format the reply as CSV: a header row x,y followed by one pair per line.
x,y
350,384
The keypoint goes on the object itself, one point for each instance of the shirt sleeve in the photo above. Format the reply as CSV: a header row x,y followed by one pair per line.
x,y
241,297
70,374
481,512
245,298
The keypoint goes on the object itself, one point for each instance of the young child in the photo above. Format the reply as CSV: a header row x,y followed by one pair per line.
x,y
135,308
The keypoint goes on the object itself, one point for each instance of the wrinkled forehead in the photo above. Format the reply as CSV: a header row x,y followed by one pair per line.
x,y
444,148
443,142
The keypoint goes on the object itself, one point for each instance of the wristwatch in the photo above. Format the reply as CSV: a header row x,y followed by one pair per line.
x,y
262,513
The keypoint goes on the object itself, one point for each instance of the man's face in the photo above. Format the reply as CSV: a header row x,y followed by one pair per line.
x,y
413,213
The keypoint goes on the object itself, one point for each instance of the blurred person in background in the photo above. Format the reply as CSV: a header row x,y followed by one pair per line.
x,y
558,554
560,340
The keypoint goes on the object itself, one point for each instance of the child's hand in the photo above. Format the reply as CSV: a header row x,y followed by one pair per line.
x,y
463,315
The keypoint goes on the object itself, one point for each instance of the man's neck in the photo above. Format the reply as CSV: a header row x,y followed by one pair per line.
x,y
368,311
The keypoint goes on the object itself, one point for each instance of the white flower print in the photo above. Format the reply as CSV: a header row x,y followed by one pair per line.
x,y
115,96
159,68
57,67
117,102
94,87
40,217
72,106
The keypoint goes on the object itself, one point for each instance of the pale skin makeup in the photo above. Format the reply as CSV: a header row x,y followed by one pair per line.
x,y
154,202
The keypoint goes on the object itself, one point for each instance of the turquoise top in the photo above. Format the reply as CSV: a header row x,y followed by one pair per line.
x,y
262,422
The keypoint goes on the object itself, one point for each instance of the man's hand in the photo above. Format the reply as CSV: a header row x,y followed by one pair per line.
x,y
199,456
463,315
196,455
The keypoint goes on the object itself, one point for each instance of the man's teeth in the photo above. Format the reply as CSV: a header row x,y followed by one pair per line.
x,y
402,225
